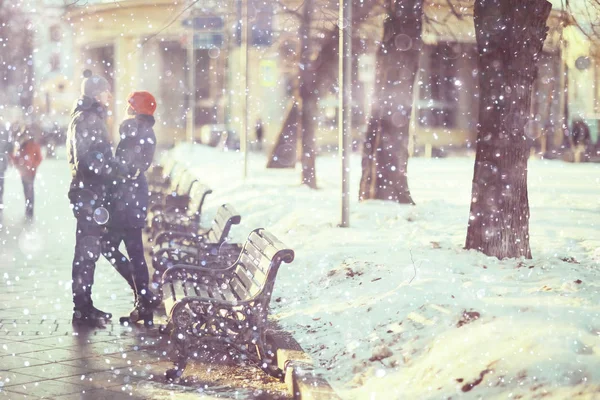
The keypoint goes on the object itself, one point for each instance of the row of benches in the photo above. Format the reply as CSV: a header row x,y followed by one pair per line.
x,y
214,292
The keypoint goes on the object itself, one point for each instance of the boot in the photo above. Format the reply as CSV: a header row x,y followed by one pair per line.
x,y
145,303
89,314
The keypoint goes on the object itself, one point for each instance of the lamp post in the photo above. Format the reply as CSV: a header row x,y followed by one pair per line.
x,y
244,52
344,104
192,85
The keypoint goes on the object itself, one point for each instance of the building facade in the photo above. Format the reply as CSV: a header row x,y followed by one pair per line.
x,y
142,46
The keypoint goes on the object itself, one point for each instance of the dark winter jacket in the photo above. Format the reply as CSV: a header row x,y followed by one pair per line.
x,y
129,193
90,157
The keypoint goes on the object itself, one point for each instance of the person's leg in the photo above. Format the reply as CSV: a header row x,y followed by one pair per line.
x,y
146,301
135,249
110,250
87,252
28,191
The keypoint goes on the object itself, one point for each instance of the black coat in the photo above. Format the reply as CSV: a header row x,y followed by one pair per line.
x,y
90,157
129,193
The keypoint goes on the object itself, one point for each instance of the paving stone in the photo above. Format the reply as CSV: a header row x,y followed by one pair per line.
x,y
100,394
20,348
105,379
55,341
54,370
10,395
55,355
48,388
8,362
93,364
12,378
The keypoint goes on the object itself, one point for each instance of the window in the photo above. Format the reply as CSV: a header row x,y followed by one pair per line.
x,y
260,15
438,95
203,78
55,62
55,33
262,28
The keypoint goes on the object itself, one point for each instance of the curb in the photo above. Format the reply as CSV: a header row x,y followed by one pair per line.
x,y
301,378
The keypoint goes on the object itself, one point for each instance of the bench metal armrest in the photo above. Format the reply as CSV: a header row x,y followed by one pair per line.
x,y
175,210
166,237
210,300
191,270
156,208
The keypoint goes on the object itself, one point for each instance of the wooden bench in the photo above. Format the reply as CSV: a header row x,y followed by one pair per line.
x,y
171,247
225,306
184,217
177,196
158,174
160,188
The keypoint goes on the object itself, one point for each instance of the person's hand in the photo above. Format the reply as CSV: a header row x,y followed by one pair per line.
x,y
119,168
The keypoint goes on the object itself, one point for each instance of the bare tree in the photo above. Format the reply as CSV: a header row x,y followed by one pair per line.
x,y
317,61
15,55
385,152
510,35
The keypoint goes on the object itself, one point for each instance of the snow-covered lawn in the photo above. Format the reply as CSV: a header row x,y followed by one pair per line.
x,y
394,308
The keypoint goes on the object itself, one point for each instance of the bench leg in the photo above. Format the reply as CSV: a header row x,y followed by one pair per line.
x,y
180,342
266,358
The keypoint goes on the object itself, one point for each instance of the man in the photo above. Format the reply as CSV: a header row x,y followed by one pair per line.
x,y
90,157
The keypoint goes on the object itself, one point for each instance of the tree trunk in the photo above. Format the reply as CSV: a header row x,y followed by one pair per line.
x,y
309,124
510,35
283,154
315,74
385,152
306,93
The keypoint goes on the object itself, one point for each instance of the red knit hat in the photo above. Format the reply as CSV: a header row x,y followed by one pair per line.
x,y
142,102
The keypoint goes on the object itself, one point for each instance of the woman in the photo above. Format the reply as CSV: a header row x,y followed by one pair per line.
x,y
26,158
129,203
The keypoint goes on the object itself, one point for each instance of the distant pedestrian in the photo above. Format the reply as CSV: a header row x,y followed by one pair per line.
x,y
27,157
90,157
259,134
6,149
581,133
129,203
581,140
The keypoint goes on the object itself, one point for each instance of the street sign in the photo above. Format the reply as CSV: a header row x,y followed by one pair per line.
x,y
204,23
267,73
208,40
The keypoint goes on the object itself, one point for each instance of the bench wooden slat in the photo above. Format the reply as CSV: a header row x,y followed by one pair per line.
x,y
258,263
246,279
239,289
257,271
197,196
170,297
177,292
222,217
212,237
197,289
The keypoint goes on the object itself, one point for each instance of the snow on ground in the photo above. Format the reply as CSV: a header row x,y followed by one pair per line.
x,y
394,308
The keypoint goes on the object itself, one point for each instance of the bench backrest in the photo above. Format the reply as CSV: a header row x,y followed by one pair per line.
x,y
177,173
257,265
159,173
185,184
198,195
221,225
178,195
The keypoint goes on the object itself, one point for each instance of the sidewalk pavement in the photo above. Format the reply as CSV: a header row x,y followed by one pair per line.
x,y
42,355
